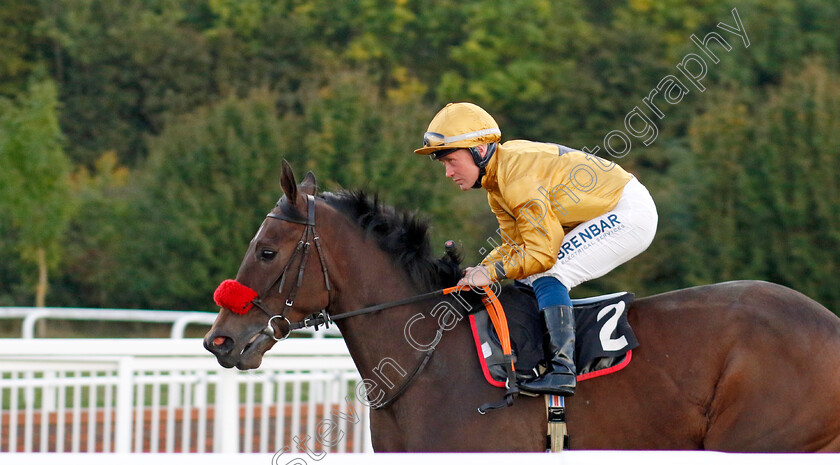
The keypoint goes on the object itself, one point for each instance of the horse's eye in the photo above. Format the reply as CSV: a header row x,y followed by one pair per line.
x,y
267,254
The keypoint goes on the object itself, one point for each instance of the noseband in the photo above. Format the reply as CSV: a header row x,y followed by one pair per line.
x,y
302,248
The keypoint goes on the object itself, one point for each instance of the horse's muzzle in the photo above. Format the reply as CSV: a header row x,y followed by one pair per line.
x,y
244,355
221,347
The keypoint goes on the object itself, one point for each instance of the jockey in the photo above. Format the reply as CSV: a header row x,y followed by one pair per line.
x,y
565,216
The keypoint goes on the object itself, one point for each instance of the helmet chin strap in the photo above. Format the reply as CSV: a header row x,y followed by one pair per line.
x,y
482,162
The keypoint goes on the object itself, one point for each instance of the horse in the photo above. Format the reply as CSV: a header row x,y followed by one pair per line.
x,y
741,366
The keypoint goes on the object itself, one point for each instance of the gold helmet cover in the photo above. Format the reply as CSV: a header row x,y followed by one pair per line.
x,y
459,125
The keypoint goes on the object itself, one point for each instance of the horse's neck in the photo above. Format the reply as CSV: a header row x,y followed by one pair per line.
x,y
376,341
378,344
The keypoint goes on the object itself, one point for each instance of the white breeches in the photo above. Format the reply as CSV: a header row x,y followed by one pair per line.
x,y
595,247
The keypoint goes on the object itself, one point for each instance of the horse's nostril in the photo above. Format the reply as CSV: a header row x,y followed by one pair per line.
x,y
219,341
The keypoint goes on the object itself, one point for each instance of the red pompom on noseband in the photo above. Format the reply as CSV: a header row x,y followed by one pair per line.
x,y
235,296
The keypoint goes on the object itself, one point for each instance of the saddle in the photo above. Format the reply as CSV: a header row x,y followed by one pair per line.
x,y
604,340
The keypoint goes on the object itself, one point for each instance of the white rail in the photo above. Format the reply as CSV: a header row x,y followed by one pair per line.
x,y
164,395
179,319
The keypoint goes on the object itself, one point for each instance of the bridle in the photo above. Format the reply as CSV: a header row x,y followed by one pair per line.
x,y
303,247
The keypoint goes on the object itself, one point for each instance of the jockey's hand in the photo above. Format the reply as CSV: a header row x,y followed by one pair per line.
x,y
475,277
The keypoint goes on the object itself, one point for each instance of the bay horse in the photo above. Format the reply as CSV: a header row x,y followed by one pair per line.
x,y
736,366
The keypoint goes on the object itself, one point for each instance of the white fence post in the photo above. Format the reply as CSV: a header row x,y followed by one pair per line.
x,y
48,393
226,425
125,388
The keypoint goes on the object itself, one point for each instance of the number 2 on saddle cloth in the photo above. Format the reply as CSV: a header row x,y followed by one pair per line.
x,y
604,339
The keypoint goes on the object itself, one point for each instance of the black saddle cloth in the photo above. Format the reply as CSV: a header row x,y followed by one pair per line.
x,y
603,338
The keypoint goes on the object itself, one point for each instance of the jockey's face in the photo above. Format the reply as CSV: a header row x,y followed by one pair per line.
x,y
461,168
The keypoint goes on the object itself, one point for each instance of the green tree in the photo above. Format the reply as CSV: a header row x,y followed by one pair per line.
x,y
765,183
352,85
195,203
94,234
34,179
121,68
17,35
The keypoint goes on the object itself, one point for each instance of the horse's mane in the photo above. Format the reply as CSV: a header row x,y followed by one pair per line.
x,y
404,236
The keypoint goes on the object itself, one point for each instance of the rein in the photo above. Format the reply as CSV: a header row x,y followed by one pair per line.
x,y
324,318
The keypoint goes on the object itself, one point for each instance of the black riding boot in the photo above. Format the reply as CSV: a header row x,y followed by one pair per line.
x,y
560,378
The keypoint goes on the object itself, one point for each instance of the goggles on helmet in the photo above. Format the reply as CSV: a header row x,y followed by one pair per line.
x,y
436,139
433,139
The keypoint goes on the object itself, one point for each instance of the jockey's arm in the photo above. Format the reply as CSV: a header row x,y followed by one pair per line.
x,y
531,233
506,239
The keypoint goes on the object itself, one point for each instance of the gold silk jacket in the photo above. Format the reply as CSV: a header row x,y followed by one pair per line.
x,y
538,191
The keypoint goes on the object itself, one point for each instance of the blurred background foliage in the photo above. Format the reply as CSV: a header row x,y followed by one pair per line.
x,y
141,140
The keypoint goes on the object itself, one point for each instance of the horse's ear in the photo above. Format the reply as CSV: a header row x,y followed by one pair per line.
x,y
287,181
309,184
